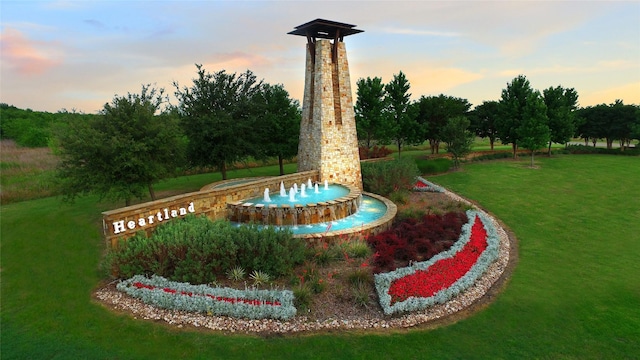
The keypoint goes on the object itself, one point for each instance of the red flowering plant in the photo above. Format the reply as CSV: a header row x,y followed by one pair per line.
x,y
423,284
249,303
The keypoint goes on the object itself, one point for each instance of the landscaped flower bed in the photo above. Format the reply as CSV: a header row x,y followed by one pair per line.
x,y
425,185
250,303
443,276
432,276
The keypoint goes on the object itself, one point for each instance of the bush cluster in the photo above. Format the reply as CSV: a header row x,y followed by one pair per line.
x,y
415,239
385,177
433,166
375,152
494,156
198,250
581,149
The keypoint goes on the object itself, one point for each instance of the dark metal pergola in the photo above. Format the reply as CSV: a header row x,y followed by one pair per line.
x,y
324,29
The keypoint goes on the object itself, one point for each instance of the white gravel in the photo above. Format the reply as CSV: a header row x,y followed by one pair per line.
x,y
140,310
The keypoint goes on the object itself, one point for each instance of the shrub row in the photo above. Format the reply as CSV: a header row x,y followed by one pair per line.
x,y
197,250
581,149
248,303
414,239
385,177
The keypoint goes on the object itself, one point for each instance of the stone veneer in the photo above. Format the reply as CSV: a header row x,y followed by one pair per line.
x,y
210,201
328,137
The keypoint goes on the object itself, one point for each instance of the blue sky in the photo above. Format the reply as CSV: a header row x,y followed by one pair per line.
x,y
80,54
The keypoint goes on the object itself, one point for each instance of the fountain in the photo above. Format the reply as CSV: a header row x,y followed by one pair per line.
x,y
283,192
266,197
338,208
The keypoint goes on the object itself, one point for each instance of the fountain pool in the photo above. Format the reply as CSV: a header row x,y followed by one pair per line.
x,y
371,209
330,209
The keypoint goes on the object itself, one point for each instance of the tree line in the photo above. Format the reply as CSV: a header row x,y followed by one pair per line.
x,y
222,118
138,139
523,117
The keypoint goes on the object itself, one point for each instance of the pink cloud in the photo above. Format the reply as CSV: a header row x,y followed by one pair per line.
x,y
25,56
237,61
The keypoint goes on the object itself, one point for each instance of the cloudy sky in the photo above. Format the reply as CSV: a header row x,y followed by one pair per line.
x,y
80,54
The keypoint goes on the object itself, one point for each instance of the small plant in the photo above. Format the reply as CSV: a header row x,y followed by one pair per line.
x,y
259,277
360,293
411,213
361,275
322,254
317,286
357,248
236,274
400,196
302,297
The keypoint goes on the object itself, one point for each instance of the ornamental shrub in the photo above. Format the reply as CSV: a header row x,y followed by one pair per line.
x,y
374,152
415,239
198,250
433,166
385,177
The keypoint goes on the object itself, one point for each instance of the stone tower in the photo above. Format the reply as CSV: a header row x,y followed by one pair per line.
x,y
328,137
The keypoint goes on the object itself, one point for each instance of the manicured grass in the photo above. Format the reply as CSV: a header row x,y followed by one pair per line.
x,y
575,293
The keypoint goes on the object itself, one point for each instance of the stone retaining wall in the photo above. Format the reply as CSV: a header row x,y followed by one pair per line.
x,y
211,201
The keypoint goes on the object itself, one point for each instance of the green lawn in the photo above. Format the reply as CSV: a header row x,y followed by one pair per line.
x,y
575,293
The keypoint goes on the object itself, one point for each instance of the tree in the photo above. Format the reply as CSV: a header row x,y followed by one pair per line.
x,y
434,112
405,128
122,151
591,120
458,138
278,123
561,105
533,132
218,116
612,122
624,119
372,121
512,109
483,120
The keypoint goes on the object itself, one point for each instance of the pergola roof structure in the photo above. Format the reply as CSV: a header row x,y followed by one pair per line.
x,y
324,29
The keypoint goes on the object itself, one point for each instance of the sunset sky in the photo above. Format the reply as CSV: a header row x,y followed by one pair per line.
x,y
80,54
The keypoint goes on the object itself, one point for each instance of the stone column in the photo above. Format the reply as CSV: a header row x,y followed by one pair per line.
x,y
328,137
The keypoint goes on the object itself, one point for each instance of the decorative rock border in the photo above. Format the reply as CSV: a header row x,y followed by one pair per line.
x,y
467,301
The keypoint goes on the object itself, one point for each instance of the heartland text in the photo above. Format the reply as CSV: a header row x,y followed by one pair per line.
x,y
165,214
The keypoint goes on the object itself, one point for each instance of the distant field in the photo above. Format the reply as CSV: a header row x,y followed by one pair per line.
x,y
25,173
575,293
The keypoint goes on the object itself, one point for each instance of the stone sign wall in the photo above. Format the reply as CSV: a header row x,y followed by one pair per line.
x,y
210,201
